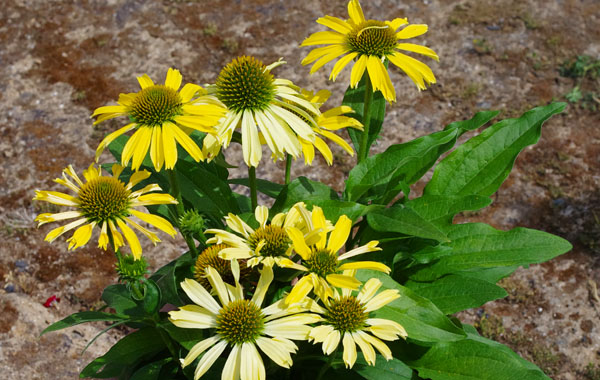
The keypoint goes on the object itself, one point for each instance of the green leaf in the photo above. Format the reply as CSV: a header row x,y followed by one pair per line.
x,y
381,176
481,164
187,338
355,98
422,320
125,355
118,297
404,220
268,188
205,190
441,209
168,277
477,245
474,358
455,293
154,370
302,189
83,317
383,369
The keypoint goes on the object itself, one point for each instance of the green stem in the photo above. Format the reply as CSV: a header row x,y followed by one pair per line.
x,y
252,180
363,151
326,366
180,210
168,342
288,168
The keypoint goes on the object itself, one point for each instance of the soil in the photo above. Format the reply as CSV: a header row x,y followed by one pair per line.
x,y
60,60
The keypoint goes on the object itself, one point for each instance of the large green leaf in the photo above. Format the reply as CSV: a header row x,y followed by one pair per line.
x,y
355,98
168,277
474,358
268,188
455,293
404,220
441,209
422,320
380,176
383,369
157,370
481,164
125,355
83,317
477,245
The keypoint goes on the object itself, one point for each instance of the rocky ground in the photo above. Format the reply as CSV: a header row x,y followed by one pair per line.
x,y
60,60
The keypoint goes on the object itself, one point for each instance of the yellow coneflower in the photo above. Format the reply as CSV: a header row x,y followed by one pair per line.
x,y
163,118
242,324
320,259
265,109
368,43
268,244
107,203
346,318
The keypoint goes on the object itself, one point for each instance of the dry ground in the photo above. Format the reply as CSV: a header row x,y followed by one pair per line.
x,y
61,59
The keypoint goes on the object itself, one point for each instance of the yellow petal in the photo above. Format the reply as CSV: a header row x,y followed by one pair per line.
x,y
141,147
411,31
349,355
381,78
324,38
111,137
169,146
134,243
186,142
355,12
173,79
365,347
188,91
419,49
325,151
335,23
340,64
342,281
157,221
374,265
338,237
299,244
52,235
250,145
156,149
358,70
109,109
300,290
81,236
145,81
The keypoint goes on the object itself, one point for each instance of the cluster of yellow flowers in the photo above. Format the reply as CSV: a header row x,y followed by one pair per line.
x,y
248,104
309,243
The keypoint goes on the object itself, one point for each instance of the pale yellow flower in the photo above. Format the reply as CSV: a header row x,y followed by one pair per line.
x,y
242,324
368,43
347,319
107,203
268,244
266,110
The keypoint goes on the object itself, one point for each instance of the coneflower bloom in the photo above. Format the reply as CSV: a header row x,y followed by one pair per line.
x,y
107,203
347,319
162,118
243,325
368,43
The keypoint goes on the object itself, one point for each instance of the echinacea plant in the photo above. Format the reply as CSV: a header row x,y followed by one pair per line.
x,y
314,284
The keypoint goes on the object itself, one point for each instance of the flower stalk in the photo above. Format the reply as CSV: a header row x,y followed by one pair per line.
x,y
363,150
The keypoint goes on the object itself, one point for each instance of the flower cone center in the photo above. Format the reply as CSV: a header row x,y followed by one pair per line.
x,y
346,314
276,241
240,321
155,105
210,258
104,198
372,38
245,85
322,263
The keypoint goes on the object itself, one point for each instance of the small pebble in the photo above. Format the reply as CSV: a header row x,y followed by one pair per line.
x,y
540,309
493,27
21,264
9,288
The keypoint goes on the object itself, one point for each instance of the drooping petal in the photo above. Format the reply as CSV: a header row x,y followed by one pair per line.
x,y
209,358
349,355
